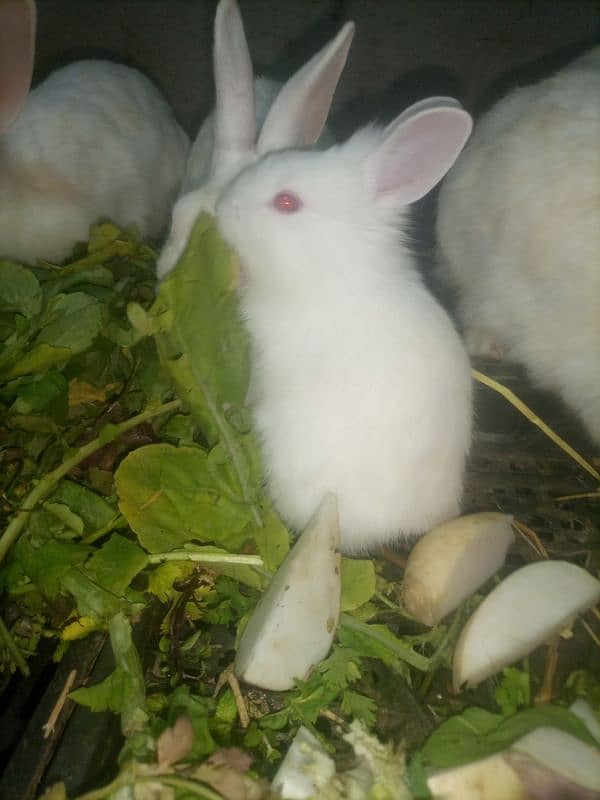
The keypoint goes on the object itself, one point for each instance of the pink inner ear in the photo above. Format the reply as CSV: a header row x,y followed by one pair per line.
x,y
418,151
17,48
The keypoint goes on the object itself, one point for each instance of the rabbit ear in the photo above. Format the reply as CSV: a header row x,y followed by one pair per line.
x,y
234,81
418,148
298,115
17,49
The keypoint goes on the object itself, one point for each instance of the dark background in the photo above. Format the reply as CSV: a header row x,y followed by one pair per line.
x,y
403,49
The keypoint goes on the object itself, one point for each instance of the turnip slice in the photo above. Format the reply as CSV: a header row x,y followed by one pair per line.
x,y
583,710
487,779
525,610
452,561
305,770
562,755
293,625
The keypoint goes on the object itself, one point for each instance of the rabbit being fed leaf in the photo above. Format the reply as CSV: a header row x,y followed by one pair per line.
x,y
294,113
519,234
95,140
360,383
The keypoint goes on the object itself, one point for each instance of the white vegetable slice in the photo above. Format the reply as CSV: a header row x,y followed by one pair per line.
x,y
562,754
525,610
452,561
293,625
582,709
305,770
487,779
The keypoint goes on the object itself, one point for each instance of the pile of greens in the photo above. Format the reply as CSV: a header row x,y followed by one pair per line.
x,y
131,478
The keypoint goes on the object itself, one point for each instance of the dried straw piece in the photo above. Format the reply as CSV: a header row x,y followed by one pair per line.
x,y
533,417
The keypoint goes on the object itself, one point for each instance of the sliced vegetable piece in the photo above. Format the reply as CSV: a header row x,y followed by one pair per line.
x,y
568,763
582,709
490,778
525,610
452,561
293,625
305,770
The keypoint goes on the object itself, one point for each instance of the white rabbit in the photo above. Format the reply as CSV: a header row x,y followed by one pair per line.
x,y
519,234
360,383
95,140
292,114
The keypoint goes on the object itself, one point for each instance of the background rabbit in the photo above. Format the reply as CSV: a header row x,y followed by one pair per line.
x,y
294,113
361,385
95,140
519,234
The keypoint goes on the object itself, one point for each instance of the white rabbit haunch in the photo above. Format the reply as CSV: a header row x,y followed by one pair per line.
x,y
292,113
519,234
360,383
95,140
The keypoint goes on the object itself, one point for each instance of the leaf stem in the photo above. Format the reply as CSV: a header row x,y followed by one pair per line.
x,y
116,522
41,491
404,652
206,558
12,648
237,457
127,781
533,417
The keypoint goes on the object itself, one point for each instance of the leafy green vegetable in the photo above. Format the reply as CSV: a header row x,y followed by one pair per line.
x,y
478,733
123,691
168,495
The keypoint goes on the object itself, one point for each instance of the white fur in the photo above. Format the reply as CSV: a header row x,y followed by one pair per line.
x,y
360,384
519,233
251,117
95,140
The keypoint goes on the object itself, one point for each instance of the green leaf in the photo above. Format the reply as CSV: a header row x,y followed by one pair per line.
x,y
272,540
47,565
478,733
94,510
341,668
66,516
123,691
358,583
71,321
168,496
513,691
116,563
198,329
40,358
359,706
378,641
162,579
199,710
19,290
92,599
41,393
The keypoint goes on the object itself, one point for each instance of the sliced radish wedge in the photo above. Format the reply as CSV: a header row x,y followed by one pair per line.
x,y
306,768
293,625
452,561
562,755
487,779
528,608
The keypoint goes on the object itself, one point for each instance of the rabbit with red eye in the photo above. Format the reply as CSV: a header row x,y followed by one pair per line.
x,y
360,384
292,114
519,234
95,140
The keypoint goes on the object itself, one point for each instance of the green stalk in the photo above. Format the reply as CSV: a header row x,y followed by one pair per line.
x,y
12,648
236,453
206,558
125,781
41,491
403,652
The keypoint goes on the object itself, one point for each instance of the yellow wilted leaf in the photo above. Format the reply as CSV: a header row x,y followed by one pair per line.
x,y
80,628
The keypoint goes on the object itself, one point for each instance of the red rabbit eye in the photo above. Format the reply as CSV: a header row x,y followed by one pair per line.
x,y
287,202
